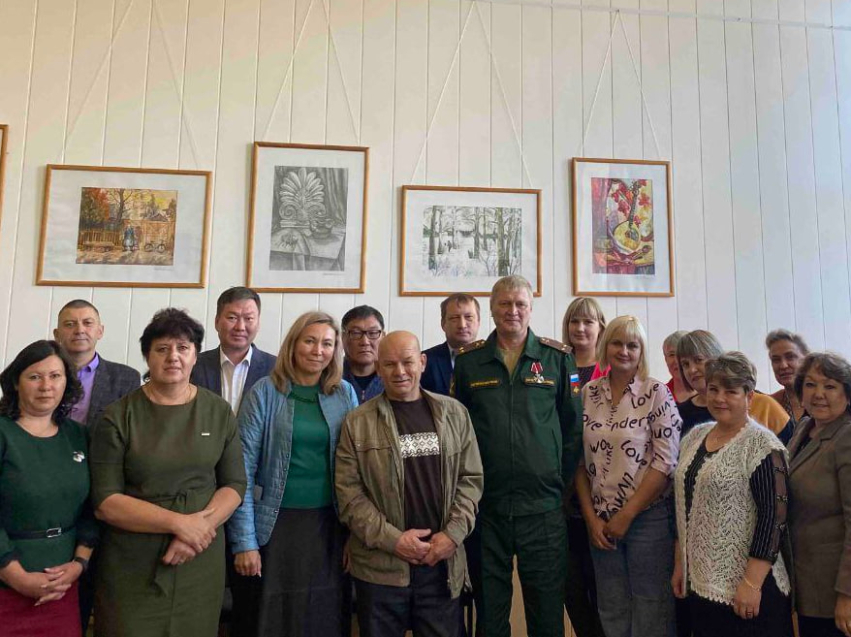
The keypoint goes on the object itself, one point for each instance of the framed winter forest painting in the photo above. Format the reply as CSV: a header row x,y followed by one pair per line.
x,y
307,226
124,227
622,228
464,239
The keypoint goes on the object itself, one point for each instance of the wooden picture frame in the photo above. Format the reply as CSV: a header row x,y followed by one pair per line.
x,y
622,224
4,140
124,227
308,218
463,239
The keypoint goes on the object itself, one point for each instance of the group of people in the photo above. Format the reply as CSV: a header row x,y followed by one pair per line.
x,y
354,471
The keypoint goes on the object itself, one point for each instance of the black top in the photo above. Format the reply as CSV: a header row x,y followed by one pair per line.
x,y
769,489
585,374
364,381
420,448
692,415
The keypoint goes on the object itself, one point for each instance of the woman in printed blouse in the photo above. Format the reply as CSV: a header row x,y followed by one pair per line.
x,y
786,350
47,529
731,487
287,528
631,440
582,326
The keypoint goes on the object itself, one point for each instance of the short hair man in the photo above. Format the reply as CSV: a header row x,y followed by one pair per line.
x,y
459,319
523,395
231,369
78,331
363,327
408,527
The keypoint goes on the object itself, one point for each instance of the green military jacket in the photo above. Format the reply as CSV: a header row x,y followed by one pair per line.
x,y
528,425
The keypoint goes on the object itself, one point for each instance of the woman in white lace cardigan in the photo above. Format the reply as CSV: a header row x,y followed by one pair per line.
x,y
731,499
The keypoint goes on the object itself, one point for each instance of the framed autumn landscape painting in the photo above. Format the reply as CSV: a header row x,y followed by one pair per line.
x,y
622,228
124,227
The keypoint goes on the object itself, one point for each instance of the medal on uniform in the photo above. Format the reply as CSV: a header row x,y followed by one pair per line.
x,y
537,368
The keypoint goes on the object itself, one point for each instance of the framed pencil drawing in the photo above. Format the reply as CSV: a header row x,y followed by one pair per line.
x,y
4,138
307,225
622,228
464,239
124,227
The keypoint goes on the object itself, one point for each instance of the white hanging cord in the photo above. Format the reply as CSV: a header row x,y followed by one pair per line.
x,y
94,81
352,121
581,150
442,92
641,90
289,70
184,112
502,91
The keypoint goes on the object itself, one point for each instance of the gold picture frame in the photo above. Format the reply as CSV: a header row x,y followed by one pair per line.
x,y
124,227
463,239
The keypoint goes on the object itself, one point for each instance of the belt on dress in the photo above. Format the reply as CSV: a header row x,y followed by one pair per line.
x,y
56,531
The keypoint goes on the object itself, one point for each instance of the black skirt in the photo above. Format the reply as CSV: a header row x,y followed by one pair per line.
x,y
711,619
303,583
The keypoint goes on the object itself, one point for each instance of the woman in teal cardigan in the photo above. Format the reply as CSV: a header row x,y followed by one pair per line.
x,y
287,528
47,529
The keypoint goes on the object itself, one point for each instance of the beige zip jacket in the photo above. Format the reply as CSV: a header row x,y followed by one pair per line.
x,y
370,487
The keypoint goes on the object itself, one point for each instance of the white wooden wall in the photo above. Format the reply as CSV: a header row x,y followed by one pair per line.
x,y
751,102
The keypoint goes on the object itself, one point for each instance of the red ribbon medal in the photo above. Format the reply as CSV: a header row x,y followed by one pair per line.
x,y
537,368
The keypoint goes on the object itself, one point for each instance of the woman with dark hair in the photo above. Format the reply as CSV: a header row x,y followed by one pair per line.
x,y
167,472
786,350
47,530
287,528
694,350
820,477
676,385
731,495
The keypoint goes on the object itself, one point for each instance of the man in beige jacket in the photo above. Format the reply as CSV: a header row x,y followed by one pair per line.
x,y
408,480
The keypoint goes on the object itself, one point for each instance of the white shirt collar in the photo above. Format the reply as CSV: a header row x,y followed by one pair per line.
x,y
224,360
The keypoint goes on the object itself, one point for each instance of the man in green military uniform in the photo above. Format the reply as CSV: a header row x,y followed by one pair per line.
x,y
522,392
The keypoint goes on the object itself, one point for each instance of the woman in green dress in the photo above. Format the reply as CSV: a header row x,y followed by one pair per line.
x,y
167,472
47,529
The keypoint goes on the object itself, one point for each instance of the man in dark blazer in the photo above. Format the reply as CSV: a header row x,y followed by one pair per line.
x,y
231,370
78,330
459,320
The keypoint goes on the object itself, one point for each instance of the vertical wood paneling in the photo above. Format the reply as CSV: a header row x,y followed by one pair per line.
x,y
774,196
656,82
809,315
715,162
689,238
746,184
17,24
754,117
54,24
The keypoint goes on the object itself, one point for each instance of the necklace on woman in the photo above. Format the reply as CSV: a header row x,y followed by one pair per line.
x,y
723,438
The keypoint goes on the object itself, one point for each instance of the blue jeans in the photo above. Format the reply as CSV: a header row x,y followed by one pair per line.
x,y
634,593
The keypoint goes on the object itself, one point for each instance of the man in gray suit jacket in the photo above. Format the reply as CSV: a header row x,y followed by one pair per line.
x,y
230,370
78,330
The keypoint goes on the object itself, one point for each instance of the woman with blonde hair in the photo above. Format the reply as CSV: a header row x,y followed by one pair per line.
x,y
583,324
287,527
631,440
581,328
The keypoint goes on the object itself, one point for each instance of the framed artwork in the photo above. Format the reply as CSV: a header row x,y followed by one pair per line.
x,y
124,227
307,227
622,228
464,239
4,136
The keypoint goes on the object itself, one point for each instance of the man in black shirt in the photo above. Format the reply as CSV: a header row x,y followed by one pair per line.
x,y
408,479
